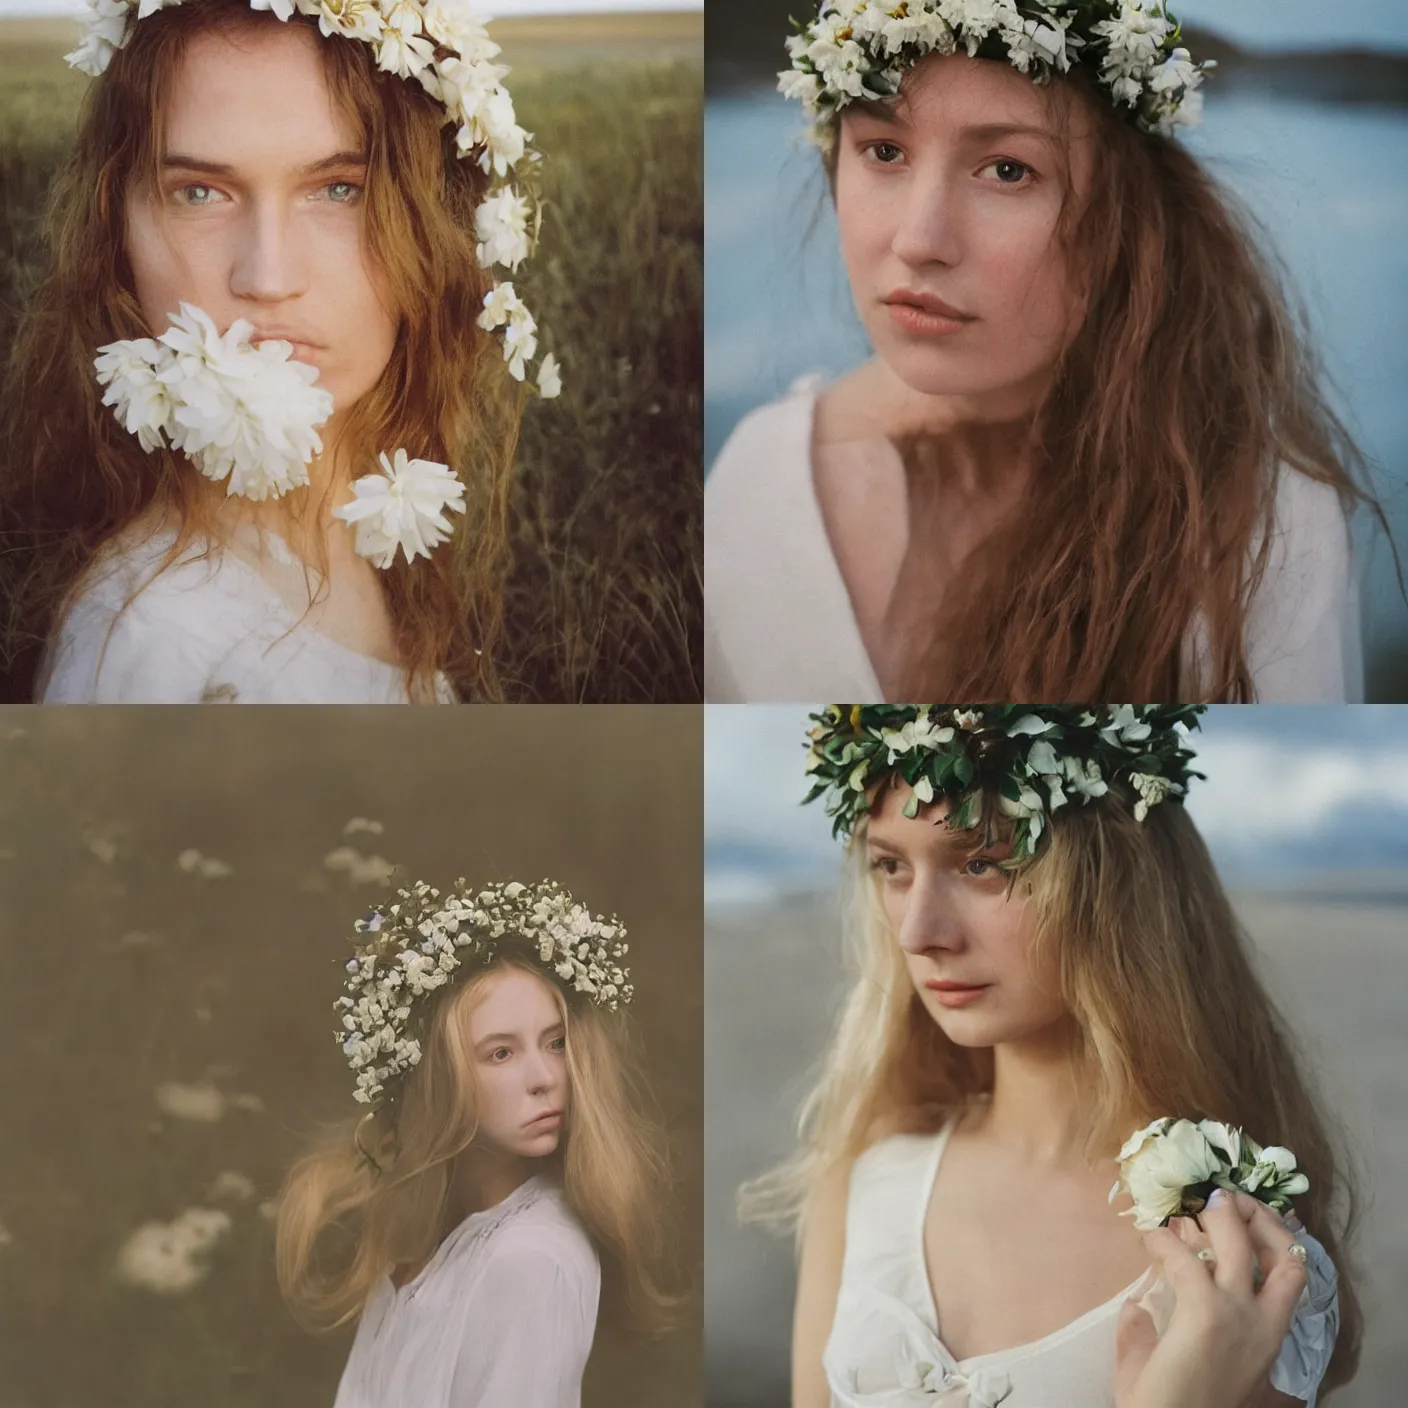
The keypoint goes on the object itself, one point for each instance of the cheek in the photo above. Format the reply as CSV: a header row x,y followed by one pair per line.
x,y
1026,273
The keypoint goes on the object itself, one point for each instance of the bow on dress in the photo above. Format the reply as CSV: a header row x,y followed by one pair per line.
x,y
944,1386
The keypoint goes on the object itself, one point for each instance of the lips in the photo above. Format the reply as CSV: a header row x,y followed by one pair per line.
x,y
947,985
927,303
545,1118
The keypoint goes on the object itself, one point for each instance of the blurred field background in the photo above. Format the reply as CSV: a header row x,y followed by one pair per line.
x,y
123,975
1307,125
604,600
1301,813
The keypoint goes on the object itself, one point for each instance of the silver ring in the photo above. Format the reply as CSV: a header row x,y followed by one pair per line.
x,y
1297,1250
1208,1255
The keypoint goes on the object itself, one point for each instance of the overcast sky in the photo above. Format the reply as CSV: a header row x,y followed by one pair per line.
x,y
1290,792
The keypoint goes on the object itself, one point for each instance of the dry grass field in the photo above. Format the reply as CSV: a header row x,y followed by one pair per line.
x,y
605,594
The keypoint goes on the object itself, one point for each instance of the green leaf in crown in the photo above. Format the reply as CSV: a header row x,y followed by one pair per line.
x,y
1032,759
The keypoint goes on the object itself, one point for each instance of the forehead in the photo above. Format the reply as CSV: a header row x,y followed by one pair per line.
x,y
255,94
513,1000
953,92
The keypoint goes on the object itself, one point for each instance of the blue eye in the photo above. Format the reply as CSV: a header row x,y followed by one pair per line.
x,y
342,192
1009,173
196,194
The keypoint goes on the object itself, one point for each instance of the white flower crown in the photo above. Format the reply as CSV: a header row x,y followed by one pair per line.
x,y
441,45
418,943
859,50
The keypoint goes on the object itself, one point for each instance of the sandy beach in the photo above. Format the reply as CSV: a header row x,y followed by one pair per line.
x,y
1339,970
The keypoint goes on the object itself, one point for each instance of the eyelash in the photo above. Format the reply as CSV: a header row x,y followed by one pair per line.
x,y
871,151
558,1043
990,867
354,196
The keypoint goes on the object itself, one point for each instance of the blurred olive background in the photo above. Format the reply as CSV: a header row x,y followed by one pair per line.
x,y
121,971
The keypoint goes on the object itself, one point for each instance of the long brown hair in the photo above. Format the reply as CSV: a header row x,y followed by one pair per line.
x,y
367,1200
72,478
1175,409
1172,1019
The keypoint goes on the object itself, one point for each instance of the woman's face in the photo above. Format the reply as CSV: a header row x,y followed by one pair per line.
x,y
949,202
966,941
258,213
519,1046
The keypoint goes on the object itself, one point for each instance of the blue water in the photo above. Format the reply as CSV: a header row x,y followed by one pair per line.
x,y
1329,184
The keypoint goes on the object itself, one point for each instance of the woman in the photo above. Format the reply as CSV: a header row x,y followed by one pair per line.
x,y
333,187
504,1154
1045,960
1090,458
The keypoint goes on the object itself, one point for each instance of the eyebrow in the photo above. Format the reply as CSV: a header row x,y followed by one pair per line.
x,y
516,1036
892,115
338,161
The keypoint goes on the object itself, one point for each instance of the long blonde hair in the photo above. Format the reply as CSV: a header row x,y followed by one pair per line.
x,y
364,1201
1172,1019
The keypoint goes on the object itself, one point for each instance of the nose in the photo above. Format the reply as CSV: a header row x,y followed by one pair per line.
x,y
931,922
929,230
542,1074
267,265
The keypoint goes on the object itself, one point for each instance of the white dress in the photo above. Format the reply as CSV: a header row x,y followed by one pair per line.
x,y
502,1316
224,626
778,622
884,1350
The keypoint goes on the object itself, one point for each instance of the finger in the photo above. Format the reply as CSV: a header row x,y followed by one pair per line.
x,y
1181,1268
1135,1340
1223,1222
1271,1238
1285,1283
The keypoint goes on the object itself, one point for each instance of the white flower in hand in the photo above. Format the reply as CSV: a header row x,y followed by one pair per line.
x,y
1159,1163
403,507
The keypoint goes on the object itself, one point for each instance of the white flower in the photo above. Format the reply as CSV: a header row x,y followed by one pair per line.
x,y
1152,791
520,342
549,379
501,225
1159,1163
403,507
916,734
1084,777
1275,1171
1226,1141
1125,726
104,31
282,8
165,1257
141,402
353,19
242,413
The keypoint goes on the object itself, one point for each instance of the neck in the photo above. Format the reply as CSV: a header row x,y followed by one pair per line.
x,y
485,1176
1038,1108
978,445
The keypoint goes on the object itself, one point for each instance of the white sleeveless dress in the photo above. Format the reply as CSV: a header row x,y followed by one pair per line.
x,y
502,1316
885,1350
224,626
778,621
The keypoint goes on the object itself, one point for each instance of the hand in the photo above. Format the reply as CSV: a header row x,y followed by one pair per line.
x,y
1226,1329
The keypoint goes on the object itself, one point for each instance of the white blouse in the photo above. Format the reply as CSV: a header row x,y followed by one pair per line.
x,y
778,621
502,1316
219,626
885,1350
